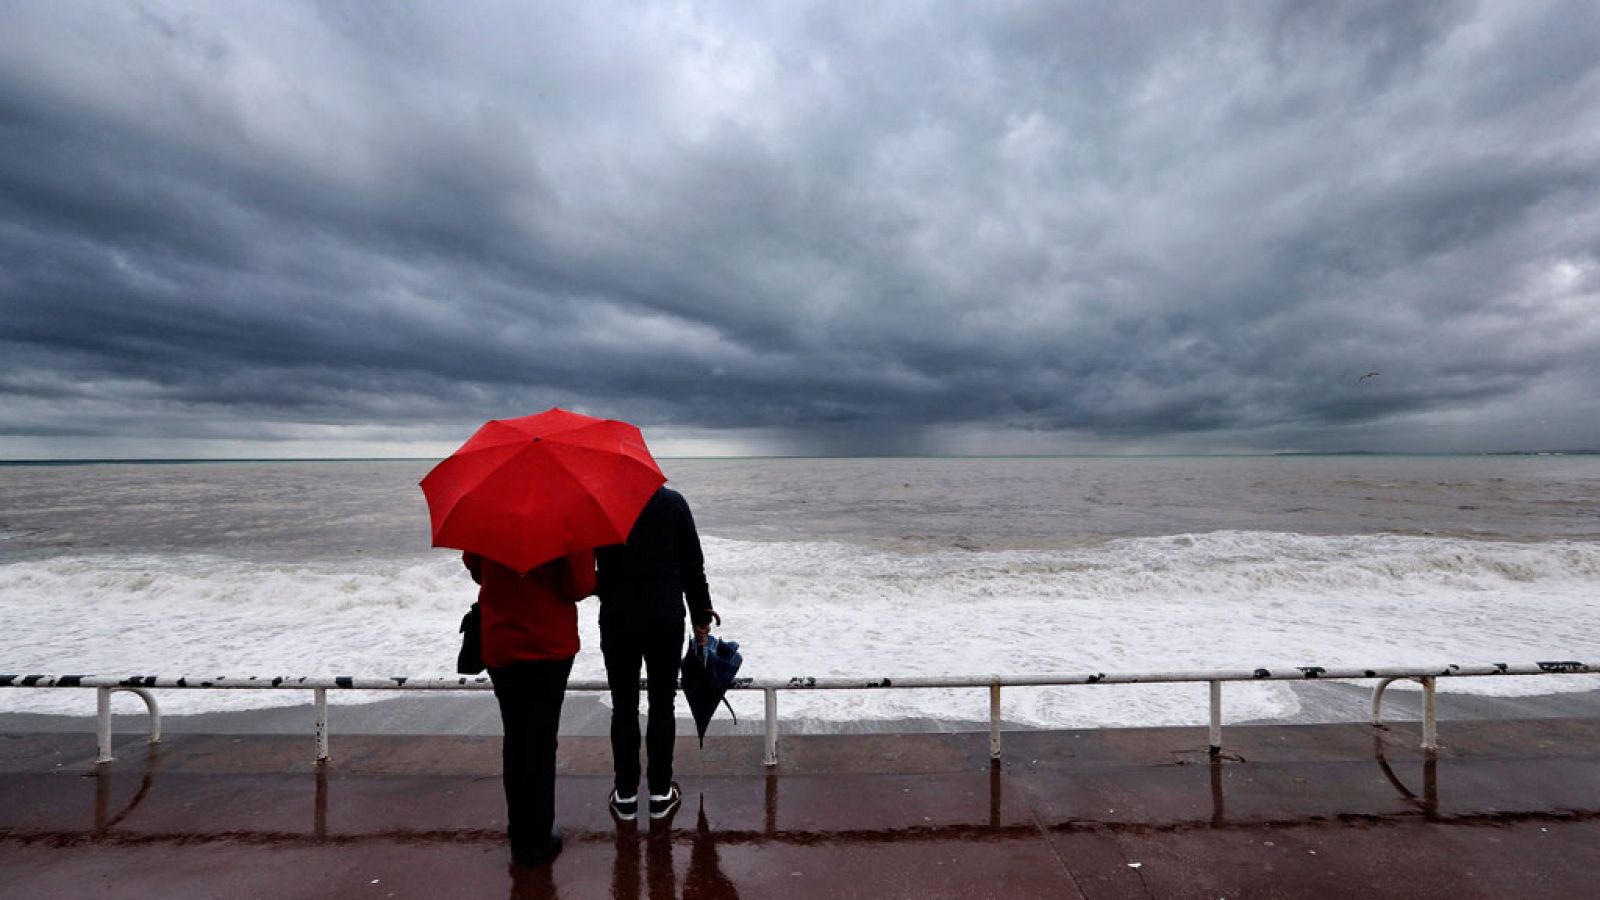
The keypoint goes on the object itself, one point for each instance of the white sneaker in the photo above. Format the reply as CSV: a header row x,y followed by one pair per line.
x,y
624,808
662,805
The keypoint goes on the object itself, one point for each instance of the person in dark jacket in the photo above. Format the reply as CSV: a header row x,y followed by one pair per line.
x,y
645,586
530,636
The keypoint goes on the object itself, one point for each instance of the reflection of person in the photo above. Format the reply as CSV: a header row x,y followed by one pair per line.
x,y
704,877
644,586
625,865
530,635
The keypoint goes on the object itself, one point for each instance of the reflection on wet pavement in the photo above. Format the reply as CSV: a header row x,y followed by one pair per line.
x,y
1068,814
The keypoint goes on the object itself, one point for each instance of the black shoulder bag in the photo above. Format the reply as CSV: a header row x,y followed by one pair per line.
x,y
470,660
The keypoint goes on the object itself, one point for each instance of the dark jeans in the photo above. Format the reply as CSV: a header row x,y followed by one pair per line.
x,y
530,695
659,649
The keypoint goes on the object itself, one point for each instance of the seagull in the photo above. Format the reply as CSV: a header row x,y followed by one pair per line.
x,y
1368,375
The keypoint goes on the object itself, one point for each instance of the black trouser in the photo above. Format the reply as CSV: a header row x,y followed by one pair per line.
x,y
530,695
659,647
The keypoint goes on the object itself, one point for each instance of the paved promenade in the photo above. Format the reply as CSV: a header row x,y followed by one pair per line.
x,y
1506,808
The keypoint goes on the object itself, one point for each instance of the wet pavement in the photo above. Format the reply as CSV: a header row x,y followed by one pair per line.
x,y
1505,808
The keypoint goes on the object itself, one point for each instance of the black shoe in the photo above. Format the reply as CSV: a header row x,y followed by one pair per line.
x,y
663,805
626,810
539,856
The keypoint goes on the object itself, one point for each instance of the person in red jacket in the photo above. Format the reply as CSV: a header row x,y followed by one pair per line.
x,y
530,635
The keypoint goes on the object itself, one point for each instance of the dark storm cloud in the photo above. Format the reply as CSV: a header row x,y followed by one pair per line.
x,y
864,222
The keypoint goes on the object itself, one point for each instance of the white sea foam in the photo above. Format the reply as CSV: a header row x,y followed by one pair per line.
x,y
1214,600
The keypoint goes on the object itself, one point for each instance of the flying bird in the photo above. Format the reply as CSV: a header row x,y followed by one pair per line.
x,y
1368,375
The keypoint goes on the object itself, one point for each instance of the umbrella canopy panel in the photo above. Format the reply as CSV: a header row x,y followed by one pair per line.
x,y
526,491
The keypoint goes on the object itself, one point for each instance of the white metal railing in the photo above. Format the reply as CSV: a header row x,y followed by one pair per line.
x,y
106,685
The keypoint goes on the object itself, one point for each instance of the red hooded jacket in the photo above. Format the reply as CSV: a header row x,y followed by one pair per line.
x,y
532,616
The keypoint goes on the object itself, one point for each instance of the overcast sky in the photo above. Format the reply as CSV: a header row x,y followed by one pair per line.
x,y
362,228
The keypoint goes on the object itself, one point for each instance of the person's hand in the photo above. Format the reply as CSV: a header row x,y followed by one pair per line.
x,y
701,632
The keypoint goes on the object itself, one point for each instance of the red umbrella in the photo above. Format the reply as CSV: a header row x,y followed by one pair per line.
x,y
526,491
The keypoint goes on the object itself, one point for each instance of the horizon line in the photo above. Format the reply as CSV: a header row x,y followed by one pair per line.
x,y
180,460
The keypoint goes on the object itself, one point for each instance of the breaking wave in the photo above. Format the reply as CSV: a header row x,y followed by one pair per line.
x,y
1225,599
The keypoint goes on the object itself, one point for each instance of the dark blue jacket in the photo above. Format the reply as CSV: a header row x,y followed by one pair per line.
x,y
660,571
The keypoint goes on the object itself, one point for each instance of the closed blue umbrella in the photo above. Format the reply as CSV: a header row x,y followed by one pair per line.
x,y
706,674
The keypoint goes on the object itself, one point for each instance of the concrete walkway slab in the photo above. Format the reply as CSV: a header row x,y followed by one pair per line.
x,y
1506,807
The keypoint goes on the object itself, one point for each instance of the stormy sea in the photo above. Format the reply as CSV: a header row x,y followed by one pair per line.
x,y
844,567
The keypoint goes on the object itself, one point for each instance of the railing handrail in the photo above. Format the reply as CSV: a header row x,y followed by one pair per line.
x,y
807,682
141,685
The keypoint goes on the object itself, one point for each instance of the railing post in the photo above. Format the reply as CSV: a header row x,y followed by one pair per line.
x,y
102,702
772,727
154,711
151,708
1216,718
1377,701
322,725
1430,725
994,719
